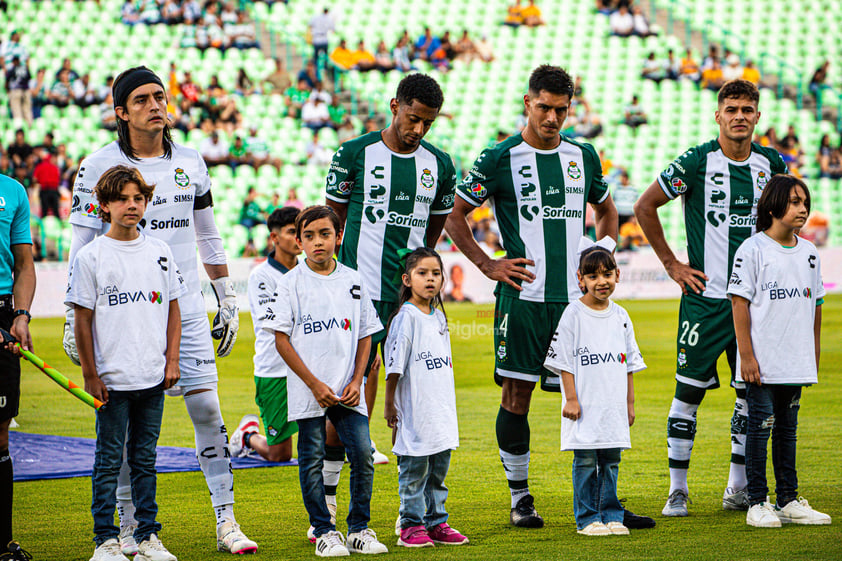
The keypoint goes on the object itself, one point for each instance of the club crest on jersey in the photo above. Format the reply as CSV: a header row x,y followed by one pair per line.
x,y
181,178
478,190
501,351
573,171
678,185
682,358
427,179
762,180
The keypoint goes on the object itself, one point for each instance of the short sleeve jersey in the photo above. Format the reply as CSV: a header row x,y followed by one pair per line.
x,y
128,285
539,199
418,351
783,286
598,347
720,204
390,198
325,316
14,227
181,184
261,287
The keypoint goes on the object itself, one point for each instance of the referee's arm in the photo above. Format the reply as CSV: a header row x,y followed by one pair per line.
x,y
23,290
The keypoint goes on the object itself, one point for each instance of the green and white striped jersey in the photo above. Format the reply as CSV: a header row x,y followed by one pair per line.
x,y
539,199
390,199
720,204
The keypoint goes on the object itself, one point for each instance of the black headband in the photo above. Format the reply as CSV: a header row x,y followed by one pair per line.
x,y
129,81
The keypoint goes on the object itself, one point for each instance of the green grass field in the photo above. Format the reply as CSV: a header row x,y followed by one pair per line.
x,y
53,521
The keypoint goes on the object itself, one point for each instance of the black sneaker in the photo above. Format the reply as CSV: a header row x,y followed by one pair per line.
x,y
524,514
15,553
633,521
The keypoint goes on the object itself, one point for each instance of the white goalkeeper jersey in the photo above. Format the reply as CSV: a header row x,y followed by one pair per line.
x,y
263,281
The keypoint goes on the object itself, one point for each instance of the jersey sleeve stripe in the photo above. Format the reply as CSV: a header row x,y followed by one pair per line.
x,y
603,197
439,212
337,199
472,203
667,191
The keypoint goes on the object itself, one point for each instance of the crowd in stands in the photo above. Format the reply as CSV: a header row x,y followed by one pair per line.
x,y
788,145
519,15
711,74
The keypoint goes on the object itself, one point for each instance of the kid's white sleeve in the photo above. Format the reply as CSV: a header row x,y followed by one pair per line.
x,y
81,282
279,314
634,359
560,354
369,322
743,274
398,346
820,291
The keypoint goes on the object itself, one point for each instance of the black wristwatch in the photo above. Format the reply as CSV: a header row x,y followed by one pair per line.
x,y
23,312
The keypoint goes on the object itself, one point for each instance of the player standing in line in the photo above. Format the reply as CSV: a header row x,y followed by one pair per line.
x,y
17,288
539,183
270,371
720,182
391,190
181,215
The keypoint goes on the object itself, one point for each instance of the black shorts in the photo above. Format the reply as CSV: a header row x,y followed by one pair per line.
x,y
9,374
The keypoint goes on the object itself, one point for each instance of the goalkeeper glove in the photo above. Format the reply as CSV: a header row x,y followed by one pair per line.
x,y
226,322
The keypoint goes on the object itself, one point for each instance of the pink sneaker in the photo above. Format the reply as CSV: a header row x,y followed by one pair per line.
x,y
447,535
415,536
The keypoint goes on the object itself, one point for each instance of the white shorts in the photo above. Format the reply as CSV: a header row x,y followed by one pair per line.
x,y
197,356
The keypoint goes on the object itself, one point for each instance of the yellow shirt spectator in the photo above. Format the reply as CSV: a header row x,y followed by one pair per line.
x,y
343,57
751,74
514,15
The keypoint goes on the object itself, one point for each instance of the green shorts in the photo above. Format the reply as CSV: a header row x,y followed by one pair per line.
x,y
522,334
271,397
384,311
705,331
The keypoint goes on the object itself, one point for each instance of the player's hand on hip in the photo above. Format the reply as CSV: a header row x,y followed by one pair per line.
x,y
226,322
688,278
324,395
509,271
571,410
351,395
68,340
750,370
172,374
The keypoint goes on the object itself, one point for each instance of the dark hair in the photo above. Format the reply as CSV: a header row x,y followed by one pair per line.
x,y
596,259
111,184
422,88
738,88
553,79
775,199
281,217
123,139
406,292
313,213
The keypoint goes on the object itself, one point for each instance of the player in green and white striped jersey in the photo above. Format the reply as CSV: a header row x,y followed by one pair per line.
x,y
720,182
539,184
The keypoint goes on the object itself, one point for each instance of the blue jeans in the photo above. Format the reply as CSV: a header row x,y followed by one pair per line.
x,y
772,405
133,419
595,486
422,490
352,429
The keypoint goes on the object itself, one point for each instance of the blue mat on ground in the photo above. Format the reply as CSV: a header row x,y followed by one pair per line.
x,y
45,456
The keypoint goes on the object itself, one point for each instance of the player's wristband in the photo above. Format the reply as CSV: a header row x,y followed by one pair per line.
x,y
23,312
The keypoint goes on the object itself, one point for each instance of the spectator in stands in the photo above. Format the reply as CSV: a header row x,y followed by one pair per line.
x,y
622,22
713,56
309,74
46,177
171,12
532,15
583,122
314,114
222,108
383,58
67,65
238,153
228,13
625,195
817,82
129,14
278,79
105,89
23,175
791,135
85,94
240,33
273,205
245,85
338,114
484,49
605,7
19,150
342,56
447,46
401,55
363,58
653,69
48,144
751,73
251,214
191,11
641,24
293,200
439,59
11,49
834,165
148,12
733,69
107,117
672,66
712,78
317,153
295,97
258,151
39,91
250,250
322,93
427,44
634,114
514,15
321,26
792,155
214,150
465,49
61,92
7,168
816,229
689,68
190,90
17,88
823,155
769,138
632,236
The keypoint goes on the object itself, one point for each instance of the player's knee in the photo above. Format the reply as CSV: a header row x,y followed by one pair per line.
x,y
280,453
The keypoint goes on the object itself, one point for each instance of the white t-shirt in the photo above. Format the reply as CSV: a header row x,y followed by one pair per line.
x,y
599,349
128,285
261,287
325,316
179,182
783,286
418,350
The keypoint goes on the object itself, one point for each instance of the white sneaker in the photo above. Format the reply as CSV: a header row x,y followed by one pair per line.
x,y
230,538
236,446
153,550
735,499
379,457
365,541
595,529
398,525
762,515
676,504
800,512
617,529
127,543
311,536
331,544
109,550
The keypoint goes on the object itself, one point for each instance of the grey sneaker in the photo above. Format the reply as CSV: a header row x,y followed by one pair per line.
x,y
735,499
676,504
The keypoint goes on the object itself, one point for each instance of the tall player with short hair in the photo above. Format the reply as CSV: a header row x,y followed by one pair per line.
x,y
720,182
539,183
180,214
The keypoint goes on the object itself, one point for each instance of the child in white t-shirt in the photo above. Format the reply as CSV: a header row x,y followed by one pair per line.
x,y
595,353
125,289
776,293
421,401
323,319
